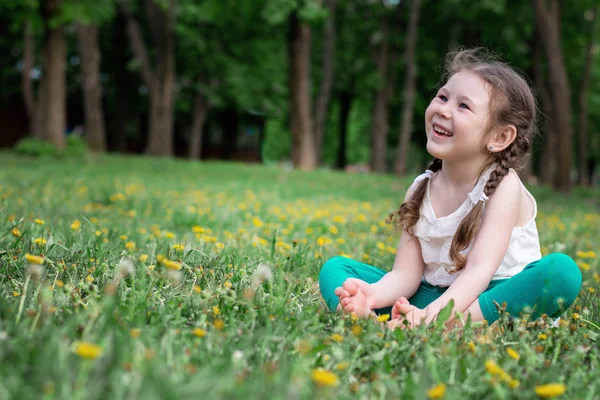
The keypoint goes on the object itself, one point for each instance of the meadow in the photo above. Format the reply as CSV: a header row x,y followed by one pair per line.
x,y
126,277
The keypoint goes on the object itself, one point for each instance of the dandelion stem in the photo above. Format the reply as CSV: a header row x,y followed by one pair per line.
x,y
591,323
23,296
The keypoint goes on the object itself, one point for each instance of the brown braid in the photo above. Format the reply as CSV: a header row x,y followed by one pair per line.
x,y
512,103
409,213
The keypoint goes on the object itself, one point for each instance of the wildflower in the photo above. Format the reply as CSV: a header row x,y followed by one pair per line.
x,y
16,232
172,265
383,317
130,246
40,241
31,259
514,383
336,337
324,378
197,289
125,268
342,365
76,225
591,290
333,229
60,283
550,390
356,330
219,324
575,316
89,278
471,346
123,237
39,221
199,332
87,350
135,333
178,247
262,274
437,392
512,353
542,336
216,311
143,257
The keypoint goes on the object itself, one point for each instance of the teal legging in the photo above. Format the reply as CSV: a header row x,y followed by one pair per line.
x,y
548,286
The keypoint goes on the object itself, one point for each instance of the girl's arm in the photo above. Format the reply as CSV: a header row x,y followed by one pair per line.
x,y
404,278
489,248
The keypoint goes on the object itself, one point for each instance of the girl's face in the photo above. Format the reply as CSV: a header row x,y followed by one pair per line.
x,y
456,119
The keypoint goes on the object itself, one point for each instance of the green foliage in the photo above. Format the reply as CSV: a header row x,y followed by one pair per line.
x,y
75,147
35,147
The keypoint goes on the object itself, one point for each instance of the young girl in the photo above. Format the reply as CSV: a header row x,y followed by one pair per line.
x,y
468,223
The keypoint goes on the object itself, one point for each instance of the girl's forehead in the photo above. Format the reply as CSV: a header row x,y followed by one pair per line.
x,y
469,84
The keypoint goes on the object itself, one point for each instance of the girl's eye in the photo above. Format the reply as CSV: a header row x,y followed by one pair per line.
x,y
463,105
442,97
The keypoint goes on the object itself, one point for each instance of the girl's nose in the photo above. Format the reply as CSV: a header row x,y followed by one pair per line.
x,y
444,111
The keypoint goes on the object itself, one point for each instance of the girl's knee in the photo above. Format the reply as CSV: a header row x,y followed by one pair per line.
x,y
562,270
331,266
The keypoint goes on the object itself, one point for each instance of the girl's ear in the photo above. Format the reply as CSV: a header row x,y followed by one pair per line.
x,y
502,139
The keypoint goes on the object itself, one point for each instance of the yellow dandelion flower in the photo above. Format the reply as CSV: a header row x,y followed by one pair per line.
x,y
471,346
342,365
39,221
324,378
356,330
60,283
16,232
16,294
197,289
257,222
135,333
550,390
219,324
130,245
437,392
31,259
87,350
76,225
514,383
336,337
333,229
89,278
143,257
172,265
512,353
584,266
199,332
383,317
169,235
591,290
123,237
216,311
40,241
178,247
542,336
575,316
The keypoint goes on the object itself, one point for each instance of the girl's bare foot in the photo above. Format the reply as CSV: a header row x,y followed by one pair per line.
x,y
353,297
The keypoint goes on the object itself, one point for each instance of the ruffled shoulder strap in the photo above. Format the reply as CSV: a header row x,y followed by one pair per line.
x,y
426,175
477,194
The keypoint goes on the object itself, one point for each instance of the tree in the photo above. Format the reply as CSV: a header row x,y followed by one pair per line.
x,y
303,142
409,89
590,52
548,22
160,78
323,98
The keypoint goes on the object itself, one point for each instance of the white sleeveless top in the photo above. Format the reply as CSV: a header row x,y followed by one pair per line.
x,y
435,236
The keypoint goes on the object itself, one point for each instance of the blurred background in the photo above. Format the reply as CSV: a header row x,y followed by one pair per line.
x,y
303,83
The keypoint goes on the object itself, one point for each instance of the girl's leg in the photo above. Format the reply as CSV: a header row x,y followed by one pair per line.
x,y
335,272
547,286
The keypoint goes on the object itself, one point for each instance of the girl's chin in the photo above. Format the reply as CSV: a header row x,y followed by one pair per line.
x,y
435,151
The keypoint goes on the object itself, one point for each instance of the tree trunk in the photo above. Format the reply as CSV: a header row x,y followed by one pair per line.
x,y
200,114
95,132
303,145
29,100
160,81
380,125
54,54
326,80
231,126
583,103
548,21
345,98
409,90
548,157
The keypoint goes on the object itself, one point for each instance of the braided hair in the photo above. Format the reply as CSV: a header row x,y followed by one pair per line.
x,y
511,103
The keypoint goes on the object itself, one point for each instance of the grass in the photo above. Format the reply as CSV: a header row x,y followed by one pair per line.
x,y
149,289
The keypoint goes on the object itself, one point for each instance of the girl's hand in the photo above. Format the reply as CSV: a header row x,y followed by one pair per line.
x,y
404,311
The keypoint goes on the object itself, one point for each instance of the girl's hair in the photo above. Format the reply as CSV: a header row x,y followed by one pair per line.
x,y
511,103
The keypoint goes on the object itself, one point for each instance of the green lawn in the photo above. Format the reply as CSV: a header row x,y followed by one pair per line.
x,y
148,289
